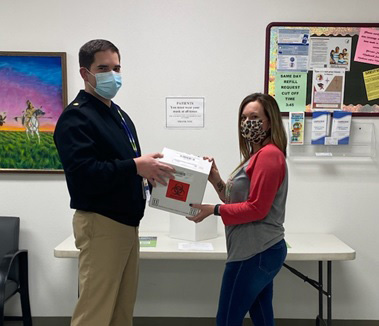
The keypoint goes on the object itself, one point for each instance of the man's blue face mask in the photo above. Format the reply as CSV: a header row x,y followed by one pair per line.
x,y
107,83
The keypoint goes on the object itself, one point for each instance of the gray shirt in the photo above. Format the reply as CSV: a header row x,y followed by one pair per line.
x,y
244,240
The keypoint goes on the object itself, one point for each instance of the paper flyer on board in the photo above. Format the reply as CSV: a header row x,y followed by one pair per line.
x,y
293,47
296,121
330,52
290,91
368,46
371,78
328,89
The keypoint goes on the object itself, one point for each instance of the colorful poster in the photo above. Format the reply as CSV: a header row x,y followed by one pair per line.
x,y
32,98
296,128
371,78
327,89
293,46
368,46
290,91
330,52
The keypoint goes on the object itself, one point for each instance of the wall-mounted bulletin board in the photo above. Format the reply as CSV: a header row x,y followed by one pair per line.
x,y
323,66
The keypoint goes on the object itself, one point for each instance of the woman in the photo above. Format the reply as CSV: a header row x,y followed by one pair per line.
x,y
253,213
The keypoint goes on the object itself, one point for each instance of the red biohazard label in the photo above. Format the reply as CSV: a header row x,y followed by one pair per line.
x,y
177,190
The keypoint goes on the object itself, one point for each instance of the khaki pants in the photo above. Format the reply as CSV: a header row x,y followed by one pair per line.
x,y
108,270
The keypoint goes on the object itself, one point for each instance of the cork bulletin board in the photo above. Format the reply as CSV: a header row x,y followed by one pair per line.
x,y
305,59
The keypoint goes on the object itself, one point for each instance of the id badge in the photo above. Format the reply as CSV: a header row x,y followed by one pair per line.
x,y
145,189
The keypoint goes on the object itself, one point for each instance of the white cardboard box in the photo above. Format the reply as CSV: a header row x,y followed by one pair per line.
x,y
188,187
184,229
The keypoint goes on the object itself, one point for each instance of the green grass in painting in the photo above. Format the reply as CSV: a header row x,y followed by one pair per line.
x,y
17,152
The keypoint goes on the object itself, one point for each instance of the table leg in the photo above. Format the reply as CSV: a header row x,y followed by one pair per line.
x,y
328,293
329,296
320,288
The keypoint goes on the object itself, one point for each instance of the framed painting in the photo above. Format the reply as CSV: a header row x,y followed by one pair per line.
x,y
323,66
33,93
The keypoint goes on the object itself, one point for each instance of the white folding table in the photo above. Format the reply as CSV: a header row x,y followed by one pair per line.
x,y
301,247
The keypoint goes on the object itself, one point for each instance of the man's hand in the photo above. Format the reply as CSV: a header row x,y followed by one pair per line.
x,y
205,211
150,168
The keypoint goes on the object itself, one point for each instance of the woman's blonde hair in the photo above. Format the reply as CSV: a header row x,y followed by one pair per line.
x,y
277,134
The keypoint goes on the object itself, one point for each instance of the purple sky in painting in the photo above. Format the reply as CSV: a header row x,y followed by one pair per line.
x,y
38,79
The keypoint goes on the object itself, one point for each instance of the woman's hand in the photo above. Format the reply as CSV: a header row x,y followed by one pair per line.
x,y
214,174
215,179
205,211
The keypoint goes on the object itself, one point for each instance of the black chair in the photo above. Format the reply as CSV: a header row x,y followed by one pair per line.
x,y
13,269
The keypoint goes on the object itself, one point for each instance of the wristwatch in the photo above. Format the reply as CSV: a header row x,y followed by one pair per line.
x,y
217,210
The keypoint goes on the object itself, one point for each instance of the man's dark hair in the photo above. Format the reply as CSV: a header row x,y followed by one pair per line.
x,y
88,50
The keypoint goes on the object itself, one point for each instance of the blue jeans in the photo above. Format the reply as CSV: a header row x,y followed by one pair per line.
x,y
247,286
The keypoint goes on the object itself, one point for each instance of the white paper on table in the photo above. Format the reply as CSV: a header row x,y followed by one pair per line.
x,y
204,246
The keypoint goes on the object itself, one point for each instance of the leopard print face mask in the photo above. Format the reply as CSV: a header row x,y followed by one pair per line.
x,y
252,131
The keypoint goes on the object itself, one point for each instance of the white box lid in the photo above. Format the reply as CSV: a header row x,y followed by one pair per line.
x,y
187,161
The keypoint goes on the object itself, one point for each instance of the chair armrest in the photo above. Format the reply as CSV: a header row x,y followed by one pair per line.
x,y
6,264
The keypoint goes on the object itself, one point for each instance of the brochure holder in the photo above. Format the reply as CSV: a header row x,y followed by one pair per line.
x,y
362,143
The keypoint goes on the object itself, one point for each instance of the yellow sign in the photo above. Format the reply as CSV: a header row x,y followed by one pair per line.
x,y
371,78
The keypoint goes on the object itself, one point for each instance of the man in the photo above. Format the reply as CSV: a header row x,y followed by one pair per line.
x,y
30,109
2,118
106,178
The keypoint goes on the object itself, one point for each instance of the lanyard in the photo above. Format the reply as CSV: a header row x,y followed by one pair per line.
x,y
145,185
129,134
